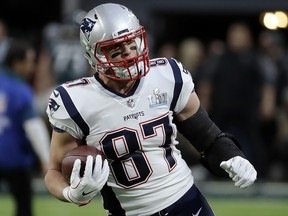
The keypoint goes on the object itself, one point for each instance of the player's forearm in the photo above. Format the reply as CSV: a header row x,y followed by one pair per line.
x,y
213,145
55,184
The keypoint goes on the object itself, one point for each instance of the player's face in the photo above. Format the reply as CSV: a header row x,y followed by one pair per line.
x,y
122,51
123,58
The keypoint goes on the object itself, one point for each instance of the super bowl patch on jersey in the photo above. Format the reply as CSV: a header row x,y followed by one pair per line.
x,y
157,99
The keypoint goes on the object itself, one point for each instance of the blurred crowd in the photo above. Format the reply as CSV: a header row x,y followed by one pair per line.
x,y
242,81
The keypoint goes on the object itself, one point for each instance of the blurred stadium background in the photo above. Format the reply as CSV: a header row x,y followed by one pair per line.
x,y
166,21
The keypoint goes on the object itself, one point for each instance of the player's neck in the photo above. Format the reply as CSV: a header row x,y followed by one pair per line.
x,y
123,87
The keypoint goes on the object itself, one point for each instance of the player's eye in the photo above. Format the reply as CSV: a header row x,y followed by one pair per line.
x,y
133,48
115,54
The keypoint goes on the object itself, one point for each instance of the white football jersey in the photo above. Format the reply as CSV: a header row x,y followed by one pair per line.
x,y
135,132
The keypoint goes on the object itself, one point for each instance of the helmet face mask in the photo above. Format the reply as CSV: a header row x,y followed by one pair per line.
x,y
100,30
128,69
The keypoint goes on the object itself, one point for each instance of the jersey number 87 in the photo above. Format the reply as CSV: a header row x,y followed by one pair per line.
x,y
128,163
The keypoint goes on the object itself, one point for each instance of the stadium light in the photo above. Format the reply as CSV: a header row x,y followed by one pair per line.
x,y
282,19
270,21
274,20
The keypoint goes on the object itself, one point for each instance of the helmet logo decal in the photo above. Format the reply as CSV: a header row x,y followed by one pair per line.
x,y
87,26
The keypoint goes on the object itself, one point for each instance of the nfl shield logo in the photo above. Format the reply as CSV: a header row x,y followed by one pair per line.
x,y
131,103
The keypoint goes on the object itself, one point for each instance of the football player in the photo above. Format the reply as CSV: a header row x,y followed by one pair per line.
x,y
131,110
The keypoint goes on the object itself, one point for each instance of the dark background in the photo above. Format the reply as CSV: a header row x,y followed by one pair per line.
x,y
27,16
166,20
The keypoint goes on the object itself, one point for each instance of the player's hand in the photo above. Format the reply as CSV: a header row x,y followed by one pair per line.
x,y
83,189
240,170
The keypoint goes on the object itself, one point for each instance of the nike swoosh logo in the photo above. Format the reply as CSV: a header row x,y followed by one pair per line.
x,y
197,214
85,194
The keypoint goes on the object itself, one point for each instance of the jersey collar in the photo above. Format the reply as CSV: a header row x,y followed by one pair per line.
x,y
131,92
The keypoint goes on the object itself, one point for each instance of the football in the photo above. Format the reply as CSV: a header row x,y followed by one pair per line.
x,y
80,152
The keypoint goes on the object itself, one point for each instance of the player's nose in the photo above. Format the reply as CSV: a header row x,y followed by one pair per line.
x,y
125,50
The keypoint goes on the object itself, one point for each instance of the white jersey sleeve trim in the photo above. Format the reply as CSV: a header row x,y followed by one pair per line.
x,y
183,88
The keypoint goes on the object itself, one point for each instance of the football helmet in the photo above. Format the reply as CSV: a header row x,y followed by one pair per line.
x,y
108,25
